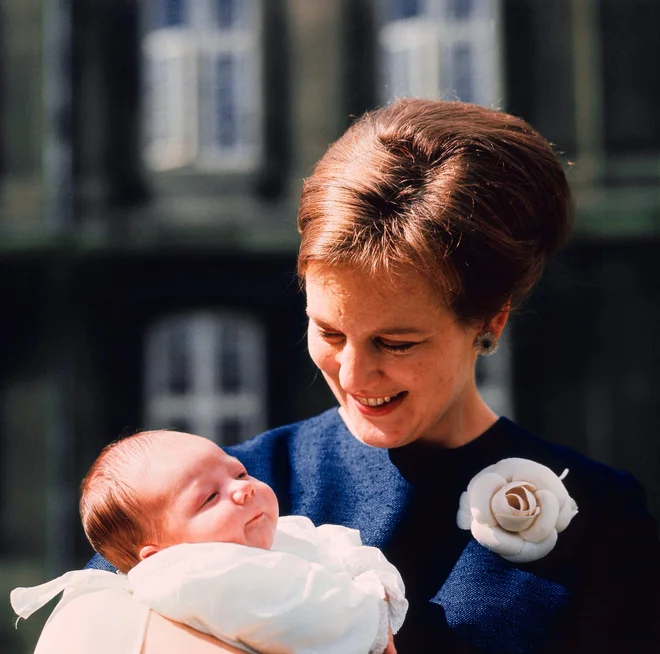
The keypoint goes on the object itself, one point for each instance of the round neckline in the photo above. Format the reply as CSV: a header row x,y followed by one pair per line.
x,y
423,460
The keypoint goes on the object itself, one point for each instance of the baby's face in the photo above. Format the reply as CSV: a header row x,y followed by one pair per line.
x,y
206,496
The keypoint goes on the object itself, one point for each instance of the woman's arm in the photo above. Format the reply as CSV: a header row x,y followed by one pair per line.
x,y
165,636
266,599
112,622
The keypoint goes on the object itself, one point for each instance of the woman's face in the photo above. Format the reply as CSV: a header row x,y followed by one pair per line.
x,y
397,361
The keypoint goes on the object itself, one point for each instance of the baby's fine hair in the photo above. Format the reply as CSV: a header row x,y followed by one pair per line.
x,y
117,522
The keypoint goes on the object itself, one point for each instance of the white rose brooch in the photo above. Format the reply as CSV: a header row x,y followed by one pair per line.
x,y
516,508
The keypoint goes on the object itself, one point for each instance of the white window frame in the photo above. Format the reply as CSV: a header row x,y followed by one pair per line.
x,y
186,106
429,39
204,405
171,109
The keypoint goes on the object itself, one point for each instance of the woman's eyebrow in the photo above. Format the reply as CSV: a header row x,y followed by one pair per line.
x,y
319,321
387,331
399,331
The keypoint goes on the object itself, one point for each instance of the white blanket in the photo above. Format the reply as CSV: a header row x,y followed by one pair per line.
x,y
317,590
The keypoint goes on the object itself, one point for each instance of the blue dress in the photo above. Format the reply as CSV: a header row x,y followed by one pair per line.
x,y
596,591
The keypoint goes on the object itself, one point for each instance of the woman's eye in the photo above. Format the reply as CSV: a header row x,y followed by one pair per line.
x,y
396,347
328,336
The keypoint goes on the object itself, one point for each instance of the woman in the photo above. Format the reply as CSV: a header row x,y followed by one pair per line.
x,y
422,228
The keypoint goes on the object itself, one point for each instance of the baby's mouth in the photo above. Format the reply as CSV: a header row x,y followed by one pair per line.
x,y
255,519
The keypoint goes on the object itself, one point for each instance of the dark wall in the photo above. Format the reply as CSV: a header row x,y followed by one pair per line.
x,y
587,356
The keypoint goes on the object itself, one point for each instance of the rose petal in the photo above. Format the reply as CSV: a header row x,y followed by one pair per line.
x,y
496,539
485,471
499,504
517,498
506,467
515,523
541,476
533,551
566,514
531,498
547,518
480,496
464,517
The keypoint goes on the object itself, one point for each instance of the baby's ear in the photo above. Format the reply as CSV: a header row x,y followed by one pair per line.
x,y
147,551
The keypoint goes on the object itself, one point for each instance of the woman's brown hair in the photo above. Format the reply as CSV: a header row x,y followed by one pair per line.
x,y
472,198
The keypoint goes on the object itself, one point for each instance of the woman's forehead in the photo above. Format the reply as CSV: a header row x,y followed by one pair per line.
x,y
394,302
346,282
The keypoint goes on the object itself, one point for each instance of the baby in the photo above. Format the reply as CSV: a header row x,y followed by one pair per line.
x,y
200,542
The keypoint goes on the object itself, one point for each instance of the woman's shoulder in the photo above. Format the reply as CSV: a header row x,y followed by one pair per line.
x,y
272,452
316,427
554,456
590,482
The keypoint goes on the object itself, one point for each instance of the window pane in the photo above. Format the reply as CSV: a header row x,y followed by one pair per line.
x,y
167,13
159,80
170,100
630,33
229,358
399,9
225,102
246,121
397,74
230,431
461,72
218,108
461,9
178,355
227,13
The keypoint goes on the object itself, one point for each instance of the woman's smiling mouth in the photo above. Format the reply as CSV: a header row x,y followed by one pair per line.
x,y
378,405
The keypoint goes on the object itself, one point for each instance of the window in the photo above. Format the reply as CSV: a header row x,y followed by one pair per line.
x,y
202,61
441,49
205,373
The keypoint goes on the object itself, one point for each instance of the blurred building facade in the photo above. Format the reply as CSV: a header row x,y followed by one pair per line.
x,y
150,166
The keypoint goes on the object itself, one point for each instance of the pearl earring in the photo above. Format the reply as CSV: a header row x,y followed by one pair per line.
x,y
486,343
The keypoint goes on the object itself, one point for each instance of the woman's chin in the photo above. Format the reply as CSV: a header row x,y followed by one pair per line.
x,y
372,435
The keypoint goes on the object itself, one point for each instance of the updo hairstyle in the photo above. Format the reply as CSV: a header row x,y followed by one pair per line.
x,y
472,198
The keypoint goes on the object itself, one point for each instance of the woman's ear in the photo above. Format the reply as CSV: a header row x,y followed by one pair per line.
x,y
147,551
497,323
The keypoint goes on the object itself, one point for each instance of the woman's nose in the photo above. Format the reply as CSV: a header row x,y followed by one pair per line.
x,y
243,491
358,369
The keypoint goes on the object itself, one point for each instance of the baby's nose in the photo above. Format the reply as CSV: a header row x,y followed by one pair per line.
x,y
243,493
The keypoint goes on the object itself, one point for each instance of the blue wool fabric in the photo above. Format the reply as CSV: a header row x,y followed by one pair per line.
x,y
481,598
587,595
